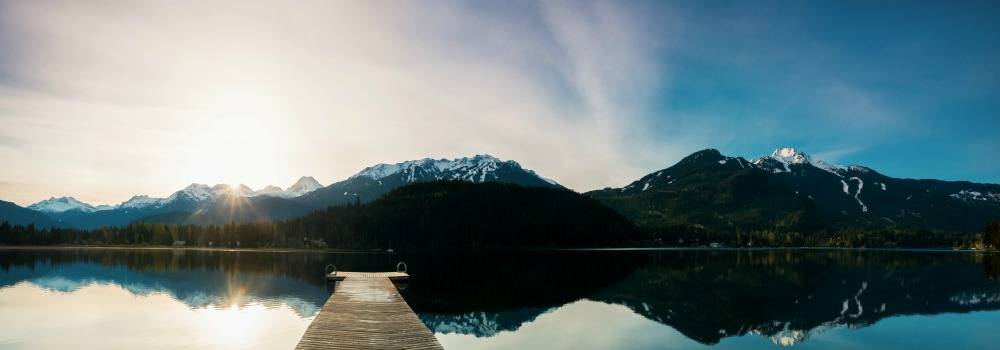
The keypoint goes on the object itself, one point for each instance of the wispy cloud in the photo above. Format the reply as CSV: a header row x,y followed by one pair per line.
x,y
102,100
117,98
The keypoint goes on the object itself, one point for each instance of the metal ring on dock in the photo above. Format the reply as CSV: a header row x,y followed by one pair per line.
x,y
329,267
403,264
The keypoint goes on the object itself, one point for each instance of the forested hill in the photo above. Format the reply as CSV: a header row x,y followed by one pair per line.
x,y
789,191
16,215
463,214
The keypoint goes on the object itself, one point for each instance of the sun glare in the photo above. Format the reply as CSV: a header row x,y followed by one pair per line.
x,y
234,325
238,137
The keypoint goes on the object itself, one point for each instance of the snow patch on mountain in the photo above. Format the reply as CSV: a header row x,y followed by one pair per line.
x,y
788,156
194,192
302,186
550,181
480,168
861,184
771,164
198,193
269,190
63,204
140,201
970,195
471,169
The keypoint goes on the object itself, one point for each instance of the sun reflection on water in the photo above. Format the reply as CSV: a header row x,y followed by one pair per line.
x,y
109,316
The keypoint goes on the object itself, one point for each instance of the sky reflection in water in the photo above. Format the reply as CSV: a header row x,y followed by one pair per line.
x,y
109,316
588,324
555,300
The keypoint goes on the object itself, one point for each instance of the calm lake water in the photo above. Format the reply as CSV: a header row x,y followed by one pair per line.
x,y
672,299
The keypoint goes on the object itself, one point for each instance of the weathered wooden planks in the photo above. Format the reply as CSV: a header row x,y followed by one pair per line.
x,y
367,312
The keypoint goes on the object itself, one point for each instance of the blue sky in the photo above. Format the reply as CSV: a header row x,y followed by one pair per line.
x,y
115,98
913,91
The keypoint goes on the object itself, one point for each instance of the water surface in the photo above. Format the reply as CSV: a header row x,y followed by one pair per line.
x,y
670,299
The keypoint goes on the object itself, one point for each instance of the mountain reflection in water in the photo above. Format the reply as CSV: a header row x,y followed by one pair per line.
x,y
784,295
707,298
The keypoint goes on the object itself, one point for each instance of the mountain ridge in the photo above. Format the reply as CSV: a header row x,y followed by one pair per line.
x,y
221,203
789,190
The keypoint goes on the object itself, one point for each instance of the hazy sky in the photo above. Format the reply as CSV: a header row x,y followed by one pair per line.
x,y
102,100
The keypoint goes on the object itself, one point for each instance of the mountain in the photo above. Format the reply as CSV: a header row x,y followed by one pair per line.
x,y
466,214
372,182
367,185
789,190
220,204
269,190
304,185
230,208
62,204
16,215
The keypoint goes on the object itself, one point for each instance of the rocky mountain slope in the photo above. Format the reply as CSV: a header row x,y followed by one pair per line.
x,y
788,190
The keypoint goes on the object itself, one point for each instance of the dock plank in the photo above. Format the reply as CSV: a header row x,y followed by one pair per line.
x,y
366,311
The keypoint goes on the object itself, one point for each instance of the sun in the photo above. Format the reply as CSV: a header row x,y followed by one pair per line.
x,y
237,137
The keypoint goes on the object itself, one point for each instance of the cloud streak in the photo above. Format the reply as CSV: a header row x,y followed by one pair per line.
x,y
115,98
105,99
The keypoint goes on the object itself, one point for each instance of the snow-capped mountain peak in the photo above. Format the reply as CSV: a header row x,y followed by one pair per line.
x,y
790,155
479,168
240,190
267,191
195,192
305,185
484,163
301,186
198,193
140,201
62,204
782,158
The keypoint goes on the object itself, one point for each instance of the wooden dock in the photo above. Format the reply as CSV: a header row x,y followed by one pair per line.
x,y
367,312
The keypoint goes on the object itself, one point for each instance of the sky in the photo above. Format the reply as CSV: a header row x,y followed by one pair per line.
x,y
102,100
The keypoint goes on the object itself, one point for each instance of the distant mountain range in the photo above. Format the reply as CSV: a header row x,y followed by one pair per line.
x,y
70,212
221,203
787,190
194,193
792,191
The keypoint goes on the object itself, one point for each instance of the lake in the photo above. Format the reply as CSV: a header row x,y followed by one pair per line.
x,y
631,299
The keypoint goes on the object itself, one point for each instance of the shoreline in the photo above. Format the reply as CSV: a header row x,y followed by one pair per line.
x,y
211,249
926,250
350,251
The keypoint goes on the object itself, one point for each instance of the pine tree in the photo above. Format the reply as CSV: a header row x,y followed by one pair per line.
x,y
991,235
